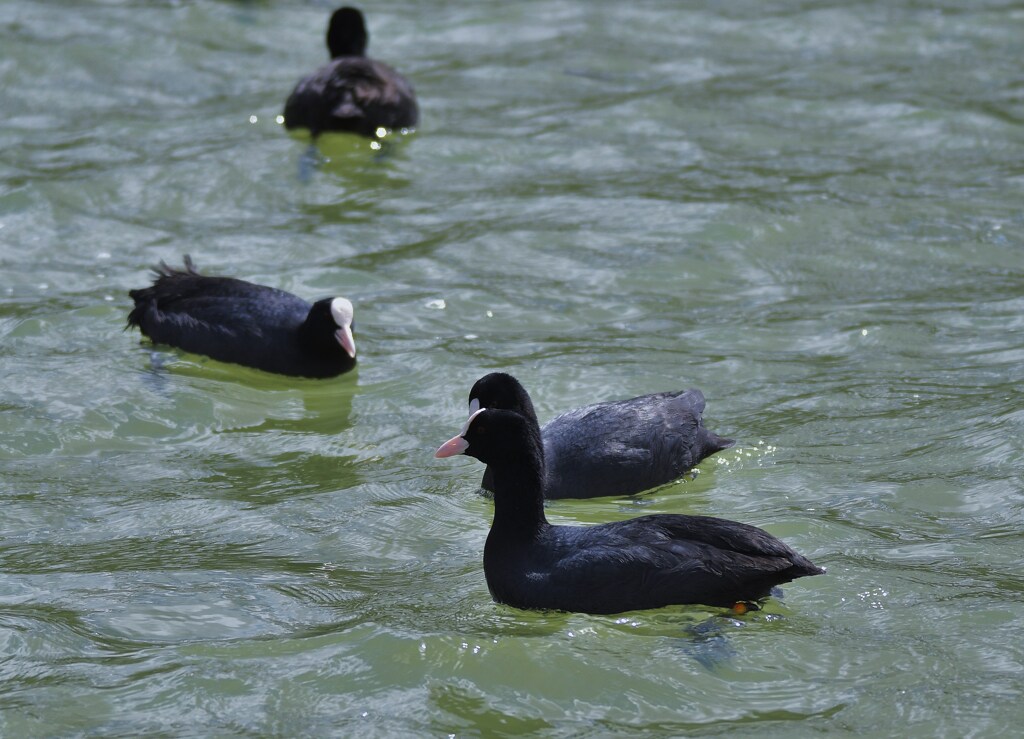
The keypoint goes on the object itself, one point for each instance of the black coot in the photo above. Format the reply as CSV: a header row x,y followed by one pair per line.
x,y
645,562
237,321
351,92
621,447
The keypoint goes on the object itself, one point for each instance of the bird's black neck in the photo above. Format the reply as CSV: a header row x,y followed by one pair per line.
x,y
316,334
519,495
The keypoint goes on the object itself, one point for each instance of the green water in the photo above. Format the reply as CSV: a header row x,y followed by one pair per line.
x,y
812,211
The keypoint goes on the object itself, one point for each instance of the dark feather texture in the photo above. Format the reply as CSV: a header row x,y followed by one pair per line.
x,y
236,321
351,92
620,447
641,563
646,562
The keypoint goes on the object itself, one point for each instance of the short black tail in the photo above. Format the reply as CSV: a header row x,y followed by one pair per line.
x,y
143,297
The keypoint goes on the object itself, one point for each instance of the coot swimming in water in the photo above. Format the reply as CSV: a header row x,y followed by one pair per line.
x,y
621,447
646,562
237,321
352,92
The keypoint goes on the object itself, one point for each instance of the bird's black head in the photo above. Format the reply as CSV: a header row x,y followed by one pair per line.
x,y
329,326
346,34
503,392
497,437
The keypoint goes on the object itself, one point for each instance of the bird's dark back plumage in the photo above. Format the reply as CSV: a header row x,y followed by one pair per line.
x,y
625,447
352,92
232,320
646,562
620,447
173,287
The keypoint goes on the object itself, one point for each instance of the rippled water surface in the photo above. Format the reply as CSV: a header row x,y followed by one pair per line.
x,y
810,210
